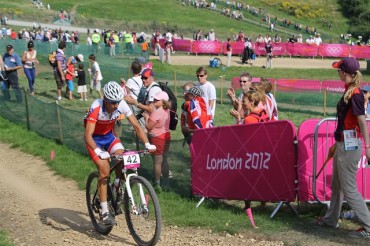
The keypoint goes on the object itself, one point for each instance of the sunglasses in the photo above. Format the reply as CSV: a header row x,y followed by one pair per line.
x,y
200,75
144,78
243,81
113,102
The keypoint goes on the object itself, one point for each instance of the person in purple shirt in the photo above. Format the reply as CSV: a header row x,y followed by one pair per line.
x,y
12,62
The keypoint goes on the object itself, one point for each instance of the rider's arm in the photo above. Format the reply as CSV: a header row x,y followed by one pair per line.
x,y
149,108
89,130
138,129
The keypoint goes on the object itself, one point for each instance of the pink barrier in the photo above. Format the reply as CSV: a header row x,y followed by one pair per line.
x,y
258,166
334,50
182,45
206,47
294,84
335,86
360,51
298,49
322,187
277,49
237,48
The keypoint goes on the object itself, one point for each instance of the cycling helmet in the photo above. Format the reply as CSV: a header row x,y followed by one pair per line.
x,y
196,91
113,92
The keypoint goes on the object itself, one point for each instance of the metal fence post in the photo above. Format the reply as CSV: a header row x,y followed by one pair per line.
x,y
325,95
222,89
27,110
59,122
174,82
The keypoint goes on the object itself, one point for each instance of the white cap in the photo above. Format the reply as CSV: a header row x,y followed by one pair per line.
x,y
80,57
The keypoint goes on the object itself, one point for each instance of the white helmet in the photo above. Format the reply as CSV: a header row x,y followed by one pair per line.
x,y
113,91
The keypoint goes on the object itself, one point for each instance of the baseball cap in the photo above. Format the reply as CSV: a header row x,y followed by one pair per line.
x,y
349,65
147,72
196,91
80,57
30,44
140,59
366,88
161,96
9,47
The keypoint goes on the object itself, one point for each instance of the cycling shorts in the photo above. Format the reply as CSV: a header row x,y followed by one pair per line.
x,y
107,142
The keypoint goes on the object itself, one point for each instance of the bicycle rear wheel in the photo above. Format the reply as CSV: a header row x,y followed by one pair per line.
x,y
93,204
144,221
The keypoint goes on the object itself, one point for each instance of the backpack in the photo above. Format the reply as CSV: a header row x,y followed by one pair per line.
x,y
262,116
52,59
173,100
143,96
64,38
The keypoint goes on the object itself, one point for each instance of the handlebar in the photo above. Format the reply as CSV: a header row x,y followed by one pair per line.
x,y
120,157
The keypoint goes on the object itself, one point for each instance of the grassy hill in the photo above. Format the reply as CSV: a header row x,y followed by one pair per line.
x,y
144,15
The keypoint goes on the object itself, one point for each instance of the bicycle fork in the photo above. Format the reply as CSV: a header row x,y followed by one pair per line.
x,y
134,208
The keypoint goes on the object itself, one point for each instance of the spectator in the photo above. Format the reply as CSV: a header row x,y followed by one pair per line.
x,y
12,62
112,45
317,39
247,51
29,60
245,81
184,113
293,39
310,40
366,91
70,74
351,120
157,124
60,68
211,35
95,40
268,48
96,76
271,104
198,112
144,48
133,86
209,90
267,38
157,46
260,39
229,51
152,88
300,39
81,75
277,39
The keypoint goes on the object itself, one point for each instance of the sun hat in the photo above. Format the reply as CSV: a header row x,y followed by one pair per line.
x,y
349,65
161,96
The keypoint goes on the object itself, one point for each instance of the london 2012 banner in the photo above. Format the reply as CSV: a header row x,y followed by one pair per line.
x,y
245,162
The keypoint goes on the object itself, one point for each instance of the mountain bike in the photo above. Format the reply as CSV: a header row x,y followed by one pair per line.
x,y
135,196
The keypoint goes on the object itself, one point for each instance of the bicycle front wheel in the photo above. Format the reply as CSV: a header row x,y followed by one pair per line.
x,y
144,220
93,204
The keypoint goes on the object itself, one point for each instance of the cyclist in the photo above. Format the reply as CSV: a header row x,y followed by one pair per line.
x,y
100,140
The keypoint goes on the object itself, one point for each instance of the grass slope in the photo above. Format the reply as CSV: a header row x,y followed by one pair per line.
x,y
144,15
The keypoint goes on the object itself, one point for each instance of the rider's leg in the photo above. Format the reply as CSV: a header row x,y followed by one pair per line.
x,y
103,168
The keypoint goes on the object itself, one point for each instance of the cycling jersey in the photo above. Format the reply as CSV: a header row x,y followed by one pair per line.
x,y
103,121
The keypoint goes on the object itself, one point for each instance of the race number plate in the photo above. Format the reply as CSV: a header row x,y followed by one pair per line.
x,y
131,159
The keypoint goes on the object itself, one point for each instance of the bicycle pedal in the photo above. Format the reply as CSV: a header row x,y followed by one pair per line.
x,y
118,211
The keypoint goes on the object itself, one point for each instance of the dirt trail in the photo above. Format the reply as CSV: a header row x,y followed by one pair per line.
x,y
40,208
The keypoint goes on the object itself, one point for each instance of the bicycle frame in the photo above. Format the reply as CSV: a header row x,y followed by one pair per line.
x,y
126,178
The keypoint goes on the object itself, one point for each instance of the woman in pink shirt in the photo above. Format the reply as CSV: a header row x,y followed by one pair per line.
x,y
157,124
